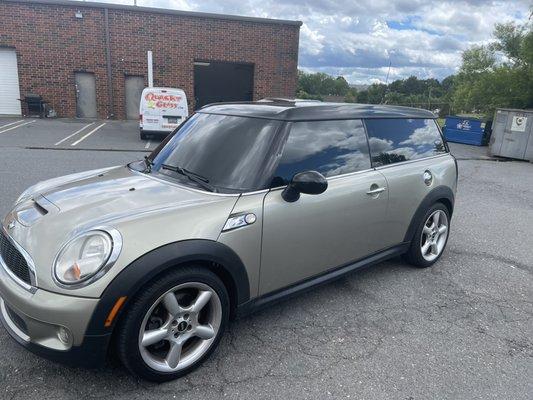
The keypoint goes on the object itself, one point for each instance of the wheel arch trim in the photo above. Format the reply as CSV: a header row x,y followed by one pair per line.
x,y
438,194
150,265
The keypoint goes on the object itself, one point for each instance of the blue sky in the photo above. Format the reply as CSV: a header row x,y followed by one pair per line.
x,y
357,39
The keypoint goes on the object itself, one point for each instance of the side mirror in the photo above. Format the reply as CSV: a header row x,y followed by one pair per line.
x,y
309,182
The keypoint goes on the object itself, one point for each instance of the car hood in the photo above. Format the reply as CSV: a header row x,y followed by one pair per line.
x,y
116,193
104,196
148,212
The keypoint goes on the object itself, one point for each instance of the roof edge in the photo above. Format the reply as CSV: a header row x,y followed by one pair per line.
x,y
194,14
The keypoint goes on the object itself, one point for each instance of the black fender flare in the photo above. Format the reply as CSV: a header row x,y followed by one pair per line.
x,y
440,193
131,279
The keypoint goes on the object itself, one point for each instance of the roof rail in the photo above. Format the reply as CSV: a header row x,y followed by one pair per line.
x,y
287,100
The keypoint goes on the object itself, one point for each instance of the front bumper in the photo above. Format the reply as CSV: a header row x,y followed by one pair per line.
x,y
36,318
162,133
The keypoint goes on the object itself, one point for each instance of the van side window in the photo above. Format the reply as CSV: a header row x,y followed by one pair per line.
x,y
394,140
329,147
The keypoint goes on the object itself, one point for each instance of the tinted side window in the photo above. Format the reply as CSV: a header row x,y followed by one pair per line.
x,y
329,147
396,140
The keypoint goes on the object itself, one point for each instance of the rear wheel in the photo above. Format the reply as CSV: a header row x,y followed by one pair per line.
x,y
144,136
174,325
430,238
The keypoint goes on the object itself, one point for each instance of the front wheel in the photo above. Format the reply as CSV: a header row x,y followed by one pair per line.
x,y
430,238
174,324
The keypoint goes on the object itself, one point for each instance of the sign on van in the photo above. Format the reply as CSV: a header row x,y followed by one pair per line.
x,y
156,100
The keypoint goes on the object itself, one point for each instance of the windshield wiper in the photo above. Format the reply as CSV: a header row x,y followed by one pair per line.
x,y
193,176
184,171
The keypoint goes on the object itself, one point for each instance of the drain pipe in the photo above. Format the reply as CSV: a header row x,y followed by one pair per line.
x,y
111,106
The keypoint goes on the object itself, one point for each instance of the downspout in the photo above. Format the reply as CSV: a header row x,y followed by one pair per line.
x,y
111,107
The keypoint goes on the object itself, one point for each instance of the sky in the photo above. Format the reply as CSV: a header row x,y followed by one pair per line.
x,y
358,39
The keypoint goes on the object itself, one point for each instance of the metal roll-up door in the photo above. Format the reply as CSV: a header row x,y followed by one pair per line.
x,y
9,83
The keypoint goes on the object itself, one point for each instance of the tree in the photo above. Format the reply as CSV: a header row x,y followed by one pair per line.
x,y
498,75
478,59
509,40
320,84
341,86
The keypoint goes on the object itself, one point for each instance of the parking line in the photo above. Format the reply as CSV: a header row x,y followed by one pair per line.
x,y
17,126
87,134
12,123
147,145
73,134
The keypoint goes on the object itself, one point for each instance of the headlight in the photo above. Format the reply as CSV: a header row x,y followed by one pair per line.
x,y
83,258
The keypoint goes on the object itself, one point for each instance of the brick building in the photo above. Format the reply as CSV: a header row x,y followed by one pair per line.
x,y
52,47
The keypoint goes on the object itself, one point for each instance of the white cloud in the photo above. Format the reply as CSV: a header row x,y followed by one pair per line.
x,y
336,135
312,40
422,136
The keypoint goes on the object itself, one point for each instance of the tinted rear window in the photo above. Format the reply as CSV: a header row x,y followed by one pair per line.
x,y
397,140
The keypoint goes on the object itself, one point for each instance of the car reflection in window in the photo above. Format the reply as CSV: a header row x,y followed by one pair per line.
x,y
329,147
397,140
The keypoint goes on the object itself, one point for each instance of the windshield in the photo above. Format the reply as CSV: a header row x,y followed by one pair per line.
x,y
229,153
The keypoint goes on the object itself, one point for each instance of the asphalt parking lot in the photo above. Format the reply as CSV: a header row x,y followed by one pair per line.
x,y
460,330
73,134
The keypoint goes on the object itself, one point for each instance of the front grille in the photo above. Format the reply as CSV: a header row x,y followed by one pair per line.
x,y
14,260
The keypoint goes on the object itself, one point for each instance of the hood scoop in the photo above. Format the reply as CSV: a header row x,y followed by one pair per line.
x,y
32,210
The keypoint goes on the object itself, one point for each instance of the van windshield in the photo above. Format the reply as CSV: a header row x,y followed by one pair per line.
x,y
230,153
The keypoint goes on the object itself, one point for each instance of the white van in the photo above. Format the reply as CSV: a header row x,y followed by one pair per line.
x,y
161,111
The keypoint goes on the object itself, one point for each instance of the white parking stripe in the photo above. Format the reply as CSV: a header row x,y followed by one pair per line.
x,y
11,123
73,134
147,145
17,126
87,134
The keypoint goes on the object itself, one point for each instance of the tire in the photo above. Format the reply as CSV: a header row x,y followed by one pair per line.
x,y
416,255
152,361
144,136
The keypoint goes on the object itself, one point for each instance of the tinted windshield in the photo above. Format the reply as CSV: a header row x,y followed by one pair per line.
x,y
230,152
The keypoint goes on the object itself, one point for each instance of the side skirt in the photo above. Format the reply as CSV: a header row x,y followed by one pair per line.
x,y
327,277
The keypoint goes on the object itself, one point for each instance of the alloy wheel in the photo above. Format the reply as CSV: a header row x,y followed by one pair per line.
x,y
180,327
434,235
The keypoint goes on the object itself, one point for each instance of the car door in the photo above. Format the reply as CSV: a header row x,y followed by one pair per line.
x,y
404,150
317,233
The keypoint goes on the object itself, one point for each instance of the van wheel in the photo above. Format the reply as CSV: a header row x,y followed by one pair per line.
x,y
143,136
174,324
430,238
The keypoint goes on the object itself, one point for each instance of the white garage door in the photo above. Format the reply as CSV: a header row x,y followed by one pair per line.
x,y
9,83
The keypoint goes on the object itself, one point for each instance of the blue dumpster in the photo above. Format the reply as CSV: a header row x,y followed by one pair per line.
x,y
466,130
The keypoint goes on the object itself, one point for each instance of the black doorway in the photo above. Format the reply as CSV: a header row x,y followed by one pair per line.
x,y
216,82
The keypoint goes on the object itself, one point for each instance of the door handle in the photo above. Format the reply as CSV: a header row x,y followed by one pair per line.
x,y
377,190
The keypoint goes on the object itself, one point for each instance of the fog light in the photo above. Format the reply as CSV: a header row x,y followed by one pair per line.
x,y
64,335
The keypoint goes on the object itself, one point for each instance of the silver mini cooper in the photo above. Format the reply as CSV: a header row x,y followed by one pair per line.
x,y
244,204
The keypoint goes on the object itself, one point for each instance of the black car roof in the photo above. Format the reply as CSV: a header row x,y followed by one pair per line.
x,y
296,110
